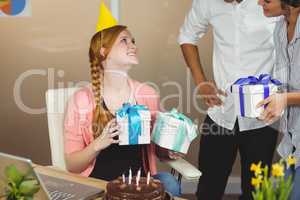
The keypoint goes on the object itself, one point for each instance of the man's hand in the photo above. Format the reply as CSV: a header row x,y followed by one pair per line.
x,y
211,94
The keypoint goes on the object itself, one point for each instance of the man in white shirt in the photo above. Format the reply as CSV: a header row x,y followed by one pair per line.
x,y
242,46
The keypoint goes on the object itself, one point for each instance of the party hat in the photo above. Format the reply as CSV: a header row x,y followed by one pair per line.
x,y
106,20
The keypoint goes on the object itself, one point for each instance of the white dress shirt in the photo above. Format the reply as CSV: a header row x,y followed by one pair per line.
x,y
242,46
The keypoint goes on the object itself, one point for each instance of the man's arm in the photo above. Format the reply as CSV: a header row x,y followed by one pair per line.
x,y
191,56
194,27
207,89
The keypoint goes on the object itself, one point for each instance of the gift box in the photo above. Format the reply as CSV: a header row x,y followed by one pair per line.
x,y
248,92
134,121
174,131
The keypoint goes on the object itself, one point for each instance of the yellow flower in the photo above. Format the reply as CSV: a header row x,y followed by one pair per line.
x,y
256,168
291,160
256,181
277,170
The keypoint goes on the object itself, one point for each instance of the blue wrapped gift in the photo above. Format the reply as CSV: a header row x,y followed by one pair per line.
x,y
135,124
248,92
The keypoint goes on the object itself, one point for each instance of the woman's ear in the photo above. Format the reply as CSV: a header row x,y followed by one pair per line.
x,y
102,52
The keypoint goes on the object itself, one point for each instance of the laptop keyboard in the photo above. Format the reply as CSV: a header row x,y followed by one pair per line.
x,y
58,195
59,189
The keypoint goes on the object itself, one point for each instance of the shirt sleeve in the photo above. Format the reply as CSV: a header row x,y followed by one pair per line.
x,y
195,24
280,70
76,121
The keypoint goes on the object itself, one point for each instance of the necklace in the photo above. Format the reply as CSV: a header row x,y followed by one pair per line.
x,y
116,71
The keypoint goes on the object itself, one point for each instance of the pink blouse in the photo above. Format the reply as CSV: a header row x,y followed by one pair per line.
x,y
78,119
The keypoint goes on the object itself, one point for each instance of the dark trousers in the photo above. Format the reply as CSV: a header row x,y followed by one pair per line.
x,y
218,151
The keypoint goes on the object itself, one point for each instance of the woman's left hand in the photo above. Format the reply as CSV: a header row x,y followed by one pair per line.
x,y
175,155
276,103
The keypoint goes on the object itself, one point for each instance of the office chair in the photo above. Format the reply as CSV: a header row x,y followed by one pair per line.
x,y
56,100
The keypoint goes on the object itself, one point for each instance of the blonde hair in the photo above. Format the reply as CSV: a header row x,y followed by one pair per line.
x,y
105,38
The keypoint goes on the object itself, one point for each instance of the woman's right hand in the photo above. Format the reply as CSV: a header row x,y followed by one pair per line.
x,y
275,105
111,130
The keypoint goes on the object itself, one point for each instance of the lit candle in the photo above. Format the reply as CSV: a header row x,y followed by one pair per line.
x,y
123,176
130,176
138,176
148,178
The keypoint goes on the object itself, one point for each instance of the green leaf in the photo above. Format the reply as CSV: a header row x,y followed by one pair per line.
x,y
12,174
29,187
288,188
29,198
30,176
12,189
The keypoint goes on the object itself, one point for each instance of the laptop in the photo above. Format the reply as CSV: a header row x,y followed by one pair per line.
x,y
52,188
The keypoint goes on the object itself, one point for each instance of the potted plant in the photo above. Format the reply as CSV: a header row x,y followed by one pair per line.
x,y
17,185
272,184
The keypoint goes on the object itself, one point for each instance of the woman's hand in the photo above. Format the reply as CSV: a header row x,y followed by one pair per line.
x,y
111,130
175,155
276,104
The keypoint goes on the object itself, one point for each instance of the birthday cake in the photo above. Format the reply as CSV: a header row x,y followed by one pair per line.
x,y
119,189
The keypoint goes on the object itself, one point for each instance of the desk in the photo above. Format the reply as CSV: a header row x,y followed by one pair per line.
x,y
73,177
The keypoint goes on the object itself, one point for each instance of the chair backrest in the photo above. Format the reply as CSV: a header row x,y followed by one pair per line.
x,y
56,100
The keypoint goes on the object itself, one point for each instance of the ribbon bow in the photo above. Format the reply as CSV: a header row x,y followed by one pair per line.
x,y
188,123
263,79
134,120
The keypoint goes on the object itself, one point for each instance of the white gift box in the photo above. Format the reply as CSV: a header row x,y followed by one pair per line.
x,y
144,137
172,133
252,95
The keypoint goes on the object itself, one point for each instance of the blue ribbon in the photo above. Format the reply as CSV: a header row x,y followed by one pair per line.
x,y
263,79
187,121
183,129
134,121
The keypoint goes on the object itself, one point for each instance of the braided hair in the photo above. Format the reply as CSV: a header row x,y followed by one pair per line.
x,y
105,38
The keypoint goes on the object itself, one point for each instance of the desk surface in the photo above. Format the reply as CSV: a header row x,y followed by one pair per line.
x,y
73,177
